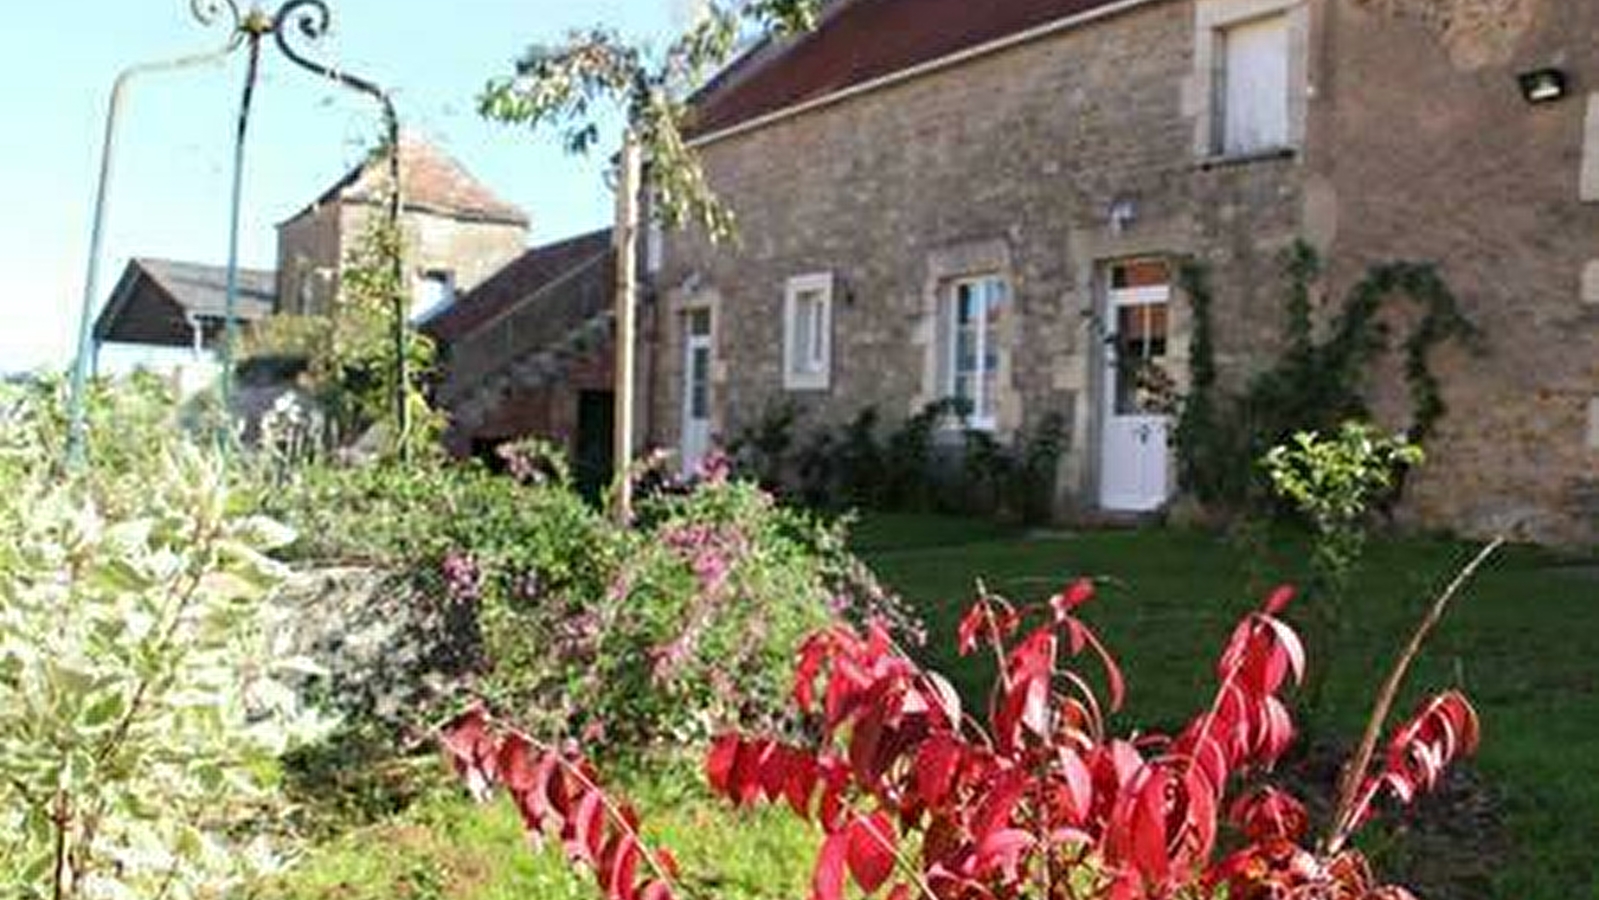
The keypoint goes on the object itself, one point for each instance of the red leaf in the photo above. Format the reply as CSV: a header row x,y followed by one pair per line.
x,y
466,738
1034,657
1269,814
1148,828
623,869
655,890
936,763
1079,785
516,768
719,764
995,810
1002,851
869,852
801,783
811,656
745,782
827,881
1075,594
1278,600
945,698
863,745
588,828
775,771
971,625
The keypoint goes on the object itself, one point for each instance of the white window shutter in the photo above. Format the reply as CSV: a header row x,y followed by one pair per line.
x,y
1255,102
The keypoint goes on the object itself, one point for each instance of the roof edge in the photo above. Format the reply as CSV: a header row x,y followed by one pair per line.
x,y
1065,23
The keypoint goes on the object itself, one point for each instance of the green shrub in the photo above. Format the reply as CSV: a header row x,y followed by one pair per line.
x,y
520,591
704,605
913,469
143,699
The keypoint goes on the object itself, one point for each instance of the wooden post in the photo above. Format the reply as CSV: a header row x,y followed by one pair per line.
x,y
626,237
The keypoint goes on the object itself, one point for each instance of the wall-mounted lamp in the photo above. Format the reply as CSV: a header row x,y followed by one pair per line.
x,y
1542,85
1123,213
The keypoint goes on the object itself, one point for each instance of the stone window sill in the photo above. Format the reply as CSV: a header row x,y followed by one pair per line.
x,y
1231,160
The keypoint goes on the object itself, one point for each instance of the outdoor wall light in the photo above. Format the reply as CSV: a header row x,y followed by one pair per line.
x,y
1122,214
1542,85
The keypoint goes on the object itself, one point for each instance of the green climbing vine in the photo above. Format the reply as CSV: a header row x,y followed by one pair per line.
x,y
1315,385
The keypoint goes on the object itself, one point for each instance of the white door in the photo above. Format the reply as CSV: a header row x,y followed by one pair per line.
x,y
696,441
1135,464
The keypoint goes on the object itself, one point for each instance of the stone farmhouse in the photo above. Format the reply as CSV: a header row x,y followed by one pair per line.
x,y
987,200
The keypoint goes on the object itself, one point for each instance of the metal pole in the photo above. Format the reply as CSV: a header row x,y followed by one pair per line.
x,y
87,348
313,19
626,238
255,25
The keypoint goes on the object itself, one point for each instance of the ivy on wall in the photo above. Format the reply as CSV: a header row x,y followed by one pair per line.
x,y
1316,384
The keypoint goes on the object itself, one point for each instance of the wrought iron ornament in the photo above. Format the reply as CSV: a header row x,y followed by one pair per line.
x,y
310,21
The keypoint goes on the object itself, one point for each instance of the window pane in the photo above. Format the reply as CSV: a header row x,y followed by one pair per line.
x,y
699,322
803,324
1255,85
816,346
700,383
1142,386
966,303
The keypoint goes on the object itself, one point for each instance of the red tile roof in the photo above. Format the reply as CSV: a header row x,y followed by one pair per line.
x,y
862,40
521,279
432,182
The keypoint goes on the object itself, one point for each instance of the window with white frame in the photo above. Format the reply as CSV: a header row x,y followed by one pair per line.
x,y
808,332
974,315
1252,86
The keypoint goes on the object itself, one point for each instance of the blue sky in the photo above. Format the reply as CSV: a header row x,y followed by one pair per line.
x,y
169,197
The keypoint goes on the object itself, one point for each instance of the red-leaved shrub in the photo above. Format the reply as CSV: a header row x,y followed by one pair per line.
x,y
917,796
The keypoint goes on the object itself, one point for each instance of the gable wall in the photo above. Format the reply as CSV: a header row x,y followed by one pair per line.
x,y
1428,152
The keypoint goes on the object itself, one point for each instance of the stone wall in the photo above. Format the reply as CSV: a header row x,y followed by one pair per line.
x,y
1010,163
1424,149
1416,144
312,248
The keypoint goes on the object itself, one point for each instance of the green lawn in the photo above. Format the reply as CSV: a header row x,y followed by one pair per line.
x,y
1523,641
447,848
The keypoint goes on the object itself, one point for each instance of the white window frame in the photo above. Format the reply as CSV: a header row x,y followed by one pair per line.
x,y
984,412
808,368
1205,92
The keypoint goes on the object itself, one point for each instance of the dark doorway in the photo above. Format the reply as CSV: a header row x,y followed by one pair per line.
x,y
594,464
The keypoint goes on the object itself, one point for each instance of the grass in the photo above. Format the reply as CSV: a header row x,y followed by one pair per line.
x,y
1523,640
447,848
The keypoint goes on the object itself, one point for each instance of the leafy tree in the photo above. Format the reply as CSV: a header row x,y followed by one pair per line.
x,y
564,86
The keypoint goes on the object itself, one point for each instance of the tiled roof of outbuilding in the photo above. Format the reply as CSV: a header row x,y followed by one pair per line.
x,y
524,278
862,40
432,181
157,301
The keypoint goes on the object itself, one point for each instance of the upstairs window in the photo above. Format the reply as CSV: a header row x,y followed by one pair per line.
x,y
975,312
808,332
435,291
1252,86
